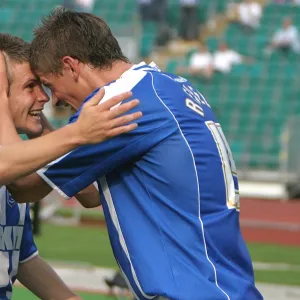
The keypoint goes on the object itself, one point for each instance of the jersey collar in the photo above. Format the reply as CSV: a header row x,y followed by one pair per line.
x,y
141,66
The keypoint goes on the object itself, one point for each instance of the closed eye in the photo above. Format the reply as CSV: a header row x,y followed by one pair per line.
x,y
31,84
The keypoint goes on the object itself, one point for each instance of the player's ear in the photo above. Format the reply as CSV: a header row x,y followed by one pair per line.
x,y
71,66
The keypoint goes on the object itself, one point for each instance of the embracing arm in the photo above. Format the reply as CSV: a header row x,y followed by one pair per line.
x,y
20,158
96,124
33,188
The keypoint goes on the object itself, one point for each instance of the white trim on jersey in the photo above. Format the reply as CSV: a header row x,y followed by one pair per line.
x,y
128,282
29,257
124,84
22,210
3,205
196,172
95,184
114,217
49,182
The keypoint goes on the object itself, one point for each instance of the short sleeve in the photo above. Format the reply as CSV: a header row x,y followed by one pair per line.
x,y
83,166
28,249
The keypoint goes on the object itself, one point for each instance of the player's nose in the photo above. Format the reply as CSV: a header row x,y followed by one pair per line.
x,y
42,96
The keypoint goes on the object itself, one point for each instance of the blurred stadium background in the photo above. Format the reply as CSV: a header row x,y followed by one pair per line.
x,y
256,101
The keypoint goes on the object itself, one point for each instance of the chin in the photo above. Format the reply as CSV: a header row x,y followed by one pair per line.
x,y
33,131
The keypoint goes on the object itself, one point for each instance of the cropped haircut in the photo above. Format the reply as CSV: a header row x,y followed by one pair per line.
x,y
82,36
15,50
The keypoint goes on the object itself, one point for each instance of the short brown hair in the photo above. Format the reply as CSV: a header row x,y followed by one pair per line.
x,y
83,36
15,49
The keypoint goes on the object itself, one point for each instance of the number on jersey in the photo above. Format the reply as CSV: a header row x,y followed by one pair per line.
x,y
228,166
195,102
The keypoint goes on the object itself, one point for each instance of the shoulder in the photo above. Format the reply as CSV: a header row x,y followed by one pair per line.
x,y
126,83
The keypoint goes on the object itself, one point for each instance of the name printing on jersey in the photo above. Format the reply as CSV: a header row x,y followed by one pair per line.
x,y
11,231
195,100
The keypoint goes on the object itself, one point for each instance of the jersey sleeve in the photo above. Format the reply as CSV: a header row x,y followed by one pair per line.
x,y
28,249
81,167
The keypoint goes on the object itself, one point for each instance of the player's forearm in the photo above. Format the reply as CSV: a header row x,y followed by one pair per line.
x,y
8,132
42,280
33,188
22,158
29,189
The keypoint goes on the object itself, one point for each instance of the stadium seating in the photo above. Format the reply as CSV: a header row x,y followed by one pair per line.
x,y
253,102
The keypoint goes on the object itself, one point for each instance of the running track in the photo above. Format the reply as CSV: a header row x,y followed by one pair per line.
x,y
264,221
271,221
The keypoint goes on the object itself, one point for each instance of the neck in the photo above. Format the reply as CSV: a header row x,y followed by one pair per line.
x,y
93,78
101,77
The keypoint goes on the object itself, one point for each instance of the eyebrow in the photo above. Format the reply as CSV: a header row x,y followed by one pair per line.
x,y
31,80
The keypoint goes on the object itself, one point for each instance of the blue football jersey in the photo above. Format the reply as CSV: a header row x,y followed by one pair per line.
x,y
169,191
16,240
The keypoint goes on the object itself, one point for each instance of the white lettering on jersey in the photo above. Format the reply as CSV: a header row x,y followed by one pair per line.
x,y
18,237
4,263
6,242
10,237
195,100
194,95
194,106
10,240
180,79
22,209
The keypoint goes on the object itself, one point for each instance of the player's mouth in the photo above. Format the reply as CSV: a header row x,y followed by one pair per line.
x,y
36,114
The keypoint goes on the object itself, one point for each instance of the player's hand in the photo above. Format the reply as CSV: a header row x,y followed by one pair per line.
x,y
98,122
3,80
